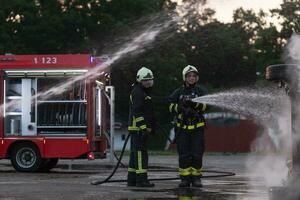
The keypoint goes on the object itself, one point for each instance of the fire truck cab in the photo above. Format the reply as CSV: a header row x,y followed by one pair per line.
x,y
52,107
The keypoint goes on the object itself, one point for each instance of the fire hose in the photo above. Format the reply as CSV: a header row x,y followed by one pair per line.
x,y
99,182
107,179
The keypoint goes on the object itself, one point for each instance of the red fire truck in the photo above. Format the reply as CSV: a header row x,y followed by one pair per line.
x,y
50,109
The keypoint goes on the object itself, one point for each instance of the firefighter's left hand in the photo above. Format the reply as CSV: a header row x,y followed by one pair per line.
x,y
149,130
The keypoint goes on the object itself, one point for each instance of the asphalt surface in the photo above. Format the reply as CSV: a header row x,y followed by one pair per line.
x,y
71,180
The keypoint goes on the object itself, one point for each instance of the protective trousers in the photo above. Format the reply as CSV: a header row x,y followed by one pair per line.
x,y
190,146
138,161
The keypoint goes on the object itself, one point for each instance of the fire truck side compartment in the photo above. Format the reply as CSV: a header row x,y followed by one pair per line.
x,y
62,126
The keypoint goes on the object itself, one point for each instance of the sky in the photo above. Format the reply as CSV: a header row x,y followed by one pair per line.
x,y
224,8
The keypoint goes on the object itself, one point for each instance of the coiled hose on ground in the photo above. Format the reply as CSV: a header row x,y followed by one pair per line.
x,y
107,180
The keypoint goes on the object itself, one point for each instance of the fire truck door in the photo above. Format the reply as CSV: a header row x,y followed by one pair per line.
x,y
29,106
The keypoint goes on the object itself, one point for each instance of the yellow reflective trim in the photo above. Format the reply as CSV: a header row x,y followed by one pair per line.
x,y
170,107
180,116
133,121
140,166
204,107
182,126
176,108
185,171
143,127
190,127
196,172
200,124
140,171
133,128
197,105
131,170
139,119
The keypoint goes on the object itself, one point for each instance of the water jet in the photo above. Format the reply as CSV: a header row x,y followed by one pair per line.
x,y
287,77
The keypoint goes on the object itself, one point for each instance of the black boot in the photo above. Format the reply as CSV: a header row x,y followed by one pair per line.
x,y
196,181
131,179
142,181
185,181
145,184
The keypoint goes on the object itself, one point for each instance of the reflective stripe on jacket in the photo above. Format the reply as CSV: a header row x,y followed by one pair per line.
x,y
141,115
176,107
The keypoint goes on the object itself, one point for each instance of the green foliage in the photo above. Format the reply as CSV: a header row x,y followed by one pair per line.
x,y
220,51
69,26
289,13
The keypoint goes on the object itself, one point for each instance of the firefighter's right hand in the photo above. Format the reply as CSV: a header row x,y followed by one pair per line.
x,y
185,102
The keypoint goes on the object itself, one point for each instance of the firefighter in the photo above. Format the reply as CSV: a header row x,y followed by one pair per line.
x,y
141,124
189,127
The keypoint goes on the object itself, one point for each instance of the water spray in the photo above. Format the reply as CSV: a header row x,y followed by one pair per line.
x,y
262,105
287,76
160,23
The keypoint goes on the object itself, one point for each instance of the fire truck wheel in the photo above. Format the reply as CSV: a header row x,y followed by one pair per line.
x,y
48,164
25,157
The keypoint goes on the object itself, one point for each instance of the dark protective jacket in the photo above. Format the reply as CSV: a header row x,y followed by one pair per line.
x,y
189,129
141,114
189,115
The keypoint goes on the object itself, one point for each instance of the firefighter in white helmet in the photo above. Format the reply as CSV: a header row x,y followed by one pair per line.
x,y
189,127
141,124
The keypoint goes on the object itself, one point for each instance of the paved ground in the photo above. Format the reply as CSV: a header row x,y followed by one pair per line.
x,y
71,180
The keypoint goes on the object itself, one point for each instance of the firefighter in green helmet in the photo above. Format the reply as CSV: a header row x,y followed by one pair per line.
x,y
141,124
189,127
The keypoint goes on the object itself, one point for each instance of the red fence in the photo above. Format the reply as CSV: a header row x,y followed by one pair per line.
x,y
236,137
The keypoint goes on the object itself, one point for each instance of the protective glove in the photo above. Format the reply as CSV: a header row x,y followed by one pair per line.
x,y
187,101
149,130
199,107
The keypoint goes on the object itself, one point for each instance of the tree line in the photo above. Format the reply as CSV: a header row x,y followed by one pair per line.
x,y
227,54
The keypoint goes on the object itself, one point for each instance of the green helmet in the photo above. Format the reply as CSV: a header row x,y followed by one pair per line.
x,y
144,74
187,70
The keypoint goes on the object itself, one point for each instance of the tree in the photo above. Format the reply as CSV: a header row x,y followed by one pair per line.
x,y
289,17
69,26
260,36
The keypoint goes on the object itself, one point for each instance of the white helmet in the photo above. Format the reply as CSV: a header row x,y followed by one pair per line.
x,y
187,70
144,74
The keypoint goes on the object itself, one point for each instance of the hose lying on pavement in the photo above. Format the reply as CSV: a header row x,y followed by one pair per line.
x,y
99,182
107,180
